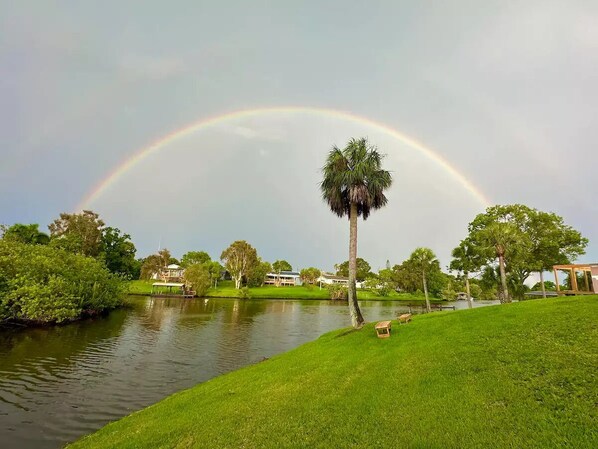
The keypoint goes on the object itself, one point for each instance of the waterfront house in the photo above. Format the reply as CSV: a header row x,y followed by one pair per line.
x,y
333,279
283,278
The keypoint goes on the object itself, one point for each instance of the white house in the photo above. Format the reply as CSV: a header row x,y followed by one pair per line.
x,y
331,279
283,278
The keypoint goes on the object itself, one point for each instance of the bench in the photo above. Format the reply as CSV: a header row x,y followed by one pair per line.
x,y
405,318
383,329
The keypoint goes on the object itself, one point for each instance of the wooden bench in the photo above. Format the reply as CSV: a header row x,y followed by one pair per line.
x,y
383,329
405,318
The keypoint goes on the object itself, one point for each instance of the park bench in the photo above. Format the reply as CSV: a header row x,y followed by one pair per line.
x,y
383,329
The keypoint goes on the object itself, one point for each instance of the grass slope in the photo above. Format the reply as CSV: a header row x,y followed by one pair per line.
x,y
510,376
226,289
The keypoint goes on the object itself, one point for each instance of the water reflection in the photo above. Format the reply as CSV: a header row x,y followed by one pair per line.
x,y
59,383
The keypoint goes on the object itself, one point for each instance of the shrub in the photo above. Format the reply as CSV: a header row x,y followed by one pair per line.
x,y
337,291
244,293
198,275
47,284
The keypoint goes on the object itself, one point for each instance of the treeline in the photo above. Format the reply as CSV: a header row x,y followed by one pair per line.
x,y
79,269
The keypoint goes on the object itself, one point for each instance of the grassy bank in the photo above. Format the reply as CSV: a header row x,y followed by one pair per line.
x,y
519,375
226,289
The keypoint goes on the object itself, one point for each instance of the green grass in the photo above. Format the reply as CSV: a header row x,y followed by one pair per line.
x,y
226,289
512,376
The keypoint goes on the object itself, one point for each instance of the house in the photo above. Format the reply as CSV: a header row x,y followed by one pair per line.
x,y
332,279
283,278
172,273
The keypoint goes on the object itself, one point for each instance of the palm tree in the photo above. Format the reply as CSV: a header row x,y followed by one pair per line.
x,y
424,259
354,185
465,260
502,237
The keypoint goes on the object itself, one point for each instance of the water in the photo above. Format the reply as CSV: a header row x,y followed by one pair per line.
x,y
59,383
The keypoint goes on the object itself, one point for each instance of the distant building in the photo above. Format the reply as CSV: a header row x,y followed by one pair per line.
x,y
172,273
283,278
333,279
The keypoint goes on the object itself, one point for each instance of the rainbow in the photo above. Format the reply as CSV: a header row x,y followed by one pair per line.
x,y
206,123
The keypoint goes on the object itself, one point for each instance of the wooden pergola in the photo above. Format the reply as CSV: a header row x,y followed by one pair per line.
x,y
590,272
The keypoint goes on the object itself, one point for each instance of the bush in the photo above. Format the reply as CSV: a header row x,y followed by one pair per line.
x,y
198,275
337,291
244,293
45,284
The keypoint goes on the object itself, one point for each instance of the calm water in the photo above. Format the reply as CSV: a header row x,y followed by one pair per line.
x,y
59,383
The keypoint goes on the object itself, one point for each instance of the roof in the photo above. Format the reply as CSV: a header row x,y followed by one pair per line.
x,y
173,266
334,276
167,284
285,273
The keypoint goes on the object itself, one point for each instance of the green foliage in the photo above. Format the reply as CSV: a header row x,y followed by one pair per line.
x,y
198,276
309,276
78,233
448,292
118,252
195,257
281,265
215,270
155,263
337,291
364,270
244,293
240,259
355,175
257,275
548,286
46,284
475,290
28,234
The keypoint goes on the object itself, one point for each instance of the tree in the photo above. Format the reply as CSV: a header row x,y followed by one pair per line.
x,y
118,252
193,257
28,234
364,270
155,263
281,265
78,233
522,240
466,261
425,261
215,270
257,275
239,259
553,243
353,185
309,276
198,276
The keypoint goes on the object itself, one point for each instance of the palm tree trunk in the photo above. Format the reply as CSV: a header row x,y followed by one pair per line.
x,y
503,279
542,284
426,291
468,291
356,317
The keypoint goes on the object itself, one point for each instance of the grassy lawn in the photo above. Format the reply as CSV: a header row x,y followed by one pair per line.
x,y
226,289
512,376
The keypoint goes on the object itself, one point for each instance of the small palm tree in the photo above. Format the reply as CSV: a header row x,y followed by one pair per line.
x,y
353,185
425,260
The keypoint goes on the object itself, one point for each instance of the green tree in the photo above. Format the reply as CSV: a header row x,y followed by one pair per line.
x,y
309,276
552,243
240,258
281,265
425,261
198,276
364,270
353,185
78,233
215,270
466,260
28,234
155,263
118,252
194,257
257,275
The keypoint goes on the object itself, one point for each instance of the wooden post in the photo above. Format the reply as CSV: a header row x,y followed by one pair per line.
x,y
574,280
585,273
556,281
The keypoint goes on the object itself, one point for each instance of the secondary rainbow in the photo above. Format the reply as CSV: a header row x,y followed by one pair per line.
x,y
206,123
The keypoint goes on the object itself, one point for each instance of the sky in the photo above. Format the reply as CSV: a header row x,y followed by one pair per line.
x,y
501,96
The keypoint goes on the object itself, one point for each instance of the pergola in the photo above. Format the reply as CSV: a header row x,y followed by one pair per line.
x,y
590,272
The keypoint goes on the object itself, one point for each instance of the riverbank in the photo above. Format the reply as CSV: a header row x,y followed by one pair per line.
x,y
226,289
518,375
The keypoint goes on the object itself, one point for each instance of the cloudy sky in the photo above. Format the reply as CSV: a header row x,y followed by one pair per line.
x,y
505,93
